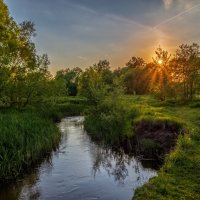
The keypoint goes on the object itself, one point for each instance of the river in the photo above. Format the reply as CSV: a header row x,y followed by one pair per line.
x,y
80,170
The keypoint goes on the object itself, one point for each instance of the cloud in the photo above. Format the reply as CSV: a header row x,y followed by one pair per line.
x,y
83,58
127,21
177,16
168,4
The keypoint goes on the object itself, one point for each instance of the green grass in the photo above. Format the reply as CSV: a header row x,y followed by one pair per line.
x,y
25,137
179,178
29,134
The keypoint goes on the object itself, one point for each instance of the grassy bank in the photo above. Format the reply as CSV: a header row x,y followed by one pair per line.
x,y
25,136
29,134
179,176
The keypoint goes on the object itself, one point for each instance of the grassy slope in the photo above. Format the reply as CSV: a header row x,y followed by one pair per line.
x,y
179,178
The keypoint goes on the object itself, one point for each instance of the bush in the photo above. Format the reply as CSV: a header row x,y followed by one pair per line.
x,y
111,121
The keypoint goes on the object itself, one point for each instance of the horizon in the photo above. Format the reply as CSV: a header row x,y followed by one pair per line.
x,y
79,33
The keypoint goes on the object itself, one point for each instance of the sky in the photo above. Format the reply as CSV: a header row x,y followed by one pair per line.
x,y
78,33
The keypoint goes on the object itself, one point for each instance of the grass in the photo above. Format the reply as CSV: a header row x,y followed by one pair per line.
x,y
29,134
179,178
25,137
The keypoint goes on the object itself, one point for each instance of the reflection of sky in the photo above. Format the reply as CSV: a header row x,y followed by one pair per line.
x,y
80,32
81,169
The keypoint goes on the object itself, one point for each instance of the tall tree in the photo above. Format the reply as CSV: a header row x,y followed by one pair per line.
x,y
160,73
23,73
186,69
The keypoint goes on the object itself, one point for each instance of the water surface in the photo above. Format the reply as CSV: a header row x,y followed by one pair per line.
x,y
81,170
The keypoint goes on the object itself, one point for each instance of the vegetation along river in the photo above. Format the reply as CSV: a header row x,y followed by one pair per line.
x,y
81,169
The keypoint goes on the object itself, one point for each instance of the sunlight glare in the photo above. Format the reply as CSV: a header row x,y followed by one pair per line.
x,y
160,62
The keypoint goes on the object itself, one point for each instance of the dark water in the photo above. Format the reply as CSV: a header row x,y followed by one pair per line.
x,y
81,170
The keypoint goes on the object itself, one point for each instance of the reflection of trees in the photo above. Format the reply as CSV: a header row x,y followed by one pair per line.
x,y
115,163
26,188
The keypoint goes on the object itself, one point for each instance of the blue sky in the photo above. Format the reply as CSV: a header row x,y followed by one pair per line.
x,y
80,32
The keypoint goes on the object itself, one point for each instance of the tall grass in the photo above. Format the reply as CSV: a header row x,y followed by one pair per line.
x,y
24,137
27,135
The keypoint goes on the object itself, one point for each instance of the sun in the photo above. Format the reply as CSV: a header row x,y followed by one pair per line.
x,y
160,62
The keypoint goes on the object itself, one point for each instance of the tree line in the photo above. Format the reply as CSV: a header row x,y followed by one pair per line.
x,y
25,78
176,76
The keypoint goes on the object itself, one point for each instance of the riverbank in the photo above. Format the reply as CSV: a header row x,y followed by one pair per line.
x,y
27,135
24,139
178,178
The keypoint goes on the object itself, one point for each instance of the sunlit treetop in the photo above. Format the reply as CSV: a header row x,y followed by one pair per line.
x,y
162,57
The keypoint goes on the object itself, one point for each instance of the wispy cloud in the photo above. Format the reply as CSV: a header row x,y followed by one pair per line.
x,y
83,58
176,16
127,21
113,17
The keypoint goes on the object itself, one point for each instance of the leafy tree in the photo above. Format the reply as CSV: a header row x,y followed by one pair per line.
x,y
96,81
135,62
186,69
160,74
132,76
71,77
24,74
162,57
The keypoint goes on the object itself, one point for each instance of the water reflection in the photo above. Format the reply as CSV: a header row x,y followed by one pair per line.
x,y
116,164
26,187
80,169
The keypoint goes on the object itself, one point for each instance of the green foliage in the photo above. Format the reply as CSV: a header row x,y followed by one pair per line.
x,y
133,76
24,76
185,68
96,81
110,121
70,77
195,104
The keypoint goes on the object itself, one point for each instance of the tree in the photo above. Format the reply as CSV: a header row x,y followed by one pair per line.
x,y
135,62
71,77
160,74
162,57
132,76
24,74
186,69
96,81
